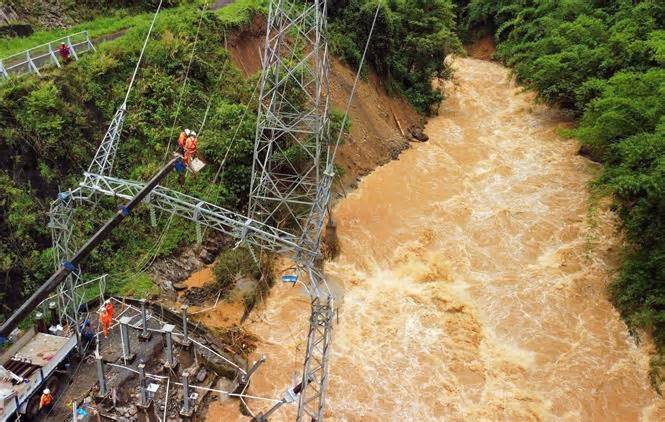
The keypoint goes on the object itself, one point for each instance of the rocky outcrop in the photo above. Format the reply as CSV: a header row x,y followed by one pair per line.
x,y
169,272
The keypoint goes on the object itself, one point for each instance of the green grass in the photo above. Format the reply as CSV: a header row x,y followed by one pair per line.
x,y
234,14
141,286
82,97
97,27
241,11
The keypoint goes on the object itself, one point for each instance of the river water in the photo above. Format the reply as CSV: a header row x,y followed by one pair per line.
x,y
473,279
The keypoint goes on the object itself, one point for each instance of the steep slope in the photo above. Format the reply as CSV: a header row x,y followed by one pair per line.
x,y
380,122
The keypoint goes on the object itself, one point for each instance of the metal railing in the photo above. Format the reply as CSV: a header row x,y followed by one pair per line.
x,y
36,58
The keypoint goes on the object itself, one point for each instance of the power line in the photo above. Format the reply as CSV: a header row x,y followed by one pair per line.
x,y
145,44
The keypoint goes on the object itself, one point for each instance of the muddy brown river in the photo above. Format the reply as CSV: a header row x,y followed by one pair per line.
x,y
472,280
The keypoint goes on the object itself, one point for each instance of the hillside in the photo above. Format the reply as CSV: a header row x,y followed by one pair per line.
x,y
53,125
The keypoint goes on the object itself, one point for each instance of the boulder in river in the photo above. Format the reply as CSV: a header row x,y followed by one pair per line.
x,y
418,134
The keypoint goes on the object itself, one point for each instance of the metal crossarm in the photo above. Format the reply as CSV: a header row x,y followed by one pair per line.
x,y
193,209
291,181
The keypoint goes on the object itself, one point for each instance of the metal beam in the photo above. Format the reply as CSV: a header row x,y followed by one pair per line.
x,y
315,368
193,209
71,266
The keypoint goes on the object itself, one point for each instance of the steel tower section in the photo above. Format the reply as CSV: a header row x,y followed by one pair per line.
x,y
69,296
291,149
291,178
102,163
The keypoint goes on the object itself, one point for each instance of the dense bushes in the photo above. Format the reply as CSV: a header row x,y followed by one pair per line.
x,y
410,42
50,128
604,61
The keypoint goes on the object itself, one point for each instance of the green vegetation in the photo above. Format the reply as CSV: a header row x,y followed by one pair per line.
x,y
409,45
101,25
50,128
51,14
235,263
604,60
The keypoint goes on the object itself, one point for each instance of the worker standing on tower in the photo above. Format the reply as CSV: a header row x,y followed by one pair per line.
x,y
181,141
187,147
191,147
188,143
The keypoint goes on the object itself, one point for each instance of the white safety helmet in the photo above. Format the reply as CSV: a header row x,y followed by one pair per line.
x,y
107,301
187,132
193,133
47,391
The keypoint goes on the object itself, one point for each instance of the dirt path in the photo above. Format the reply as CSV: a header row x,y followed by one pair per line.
x,y
473,280
220,3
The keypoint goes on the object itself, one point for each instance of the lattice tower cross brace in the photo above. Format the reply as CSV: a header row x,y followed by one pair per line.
x,y
291,149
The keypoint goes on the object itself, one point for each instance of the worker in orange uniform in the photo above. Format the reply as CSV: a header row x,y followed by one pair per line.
x,y
181,140
188,143
190,147
105,319
46,401
109,307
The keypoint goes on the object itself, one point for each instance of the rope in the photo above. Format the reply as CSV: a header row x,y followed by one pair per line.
x,y
184,83
154,250
355,83
157,246
205,117
235,134
145,44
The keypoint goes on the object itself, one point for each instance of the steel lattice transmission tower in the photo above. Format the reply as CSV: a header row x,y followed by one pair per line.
x,y
293,165
292,155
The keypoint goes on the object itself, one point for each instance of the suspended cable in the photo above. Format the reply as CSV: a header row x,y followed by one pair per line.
x,y
184,83
205,117
235,134
355,84
145,44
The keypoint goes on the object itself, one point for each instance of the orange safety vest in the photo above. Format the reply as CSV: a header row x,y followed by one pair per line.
x,y
181,139
109,308
190,147
46,400
105,318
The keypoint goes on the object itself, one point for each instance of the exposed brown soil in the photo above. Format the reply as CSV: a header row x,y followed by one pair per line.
x,y
244,46
482,49
379,122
